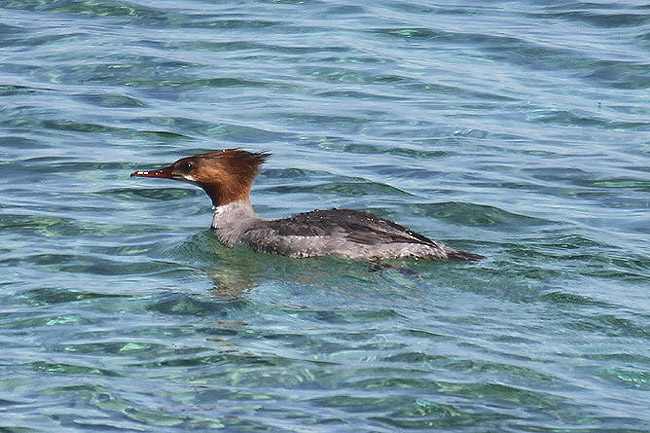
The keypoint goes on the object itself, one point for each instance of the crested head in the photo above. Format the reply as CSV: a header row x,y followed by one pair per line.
x,y
226,175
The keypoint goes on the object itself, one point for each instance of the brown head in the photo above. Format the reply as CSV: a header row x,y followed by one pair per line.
x,y
225,175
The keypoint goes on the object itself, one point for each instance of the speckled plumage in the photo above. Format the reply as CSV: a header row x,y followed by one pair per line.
x,y
344,232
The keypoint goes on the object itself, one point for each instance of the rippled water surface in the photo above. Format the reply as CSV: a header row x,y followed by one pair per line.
x,y
518,130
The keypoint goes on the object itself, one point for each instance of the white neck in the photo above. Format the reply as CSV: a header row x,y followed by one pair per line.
x,y
231,220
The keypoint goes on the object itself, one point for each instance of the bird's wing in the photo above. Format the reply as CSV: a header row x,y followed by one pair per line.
x,y
356,226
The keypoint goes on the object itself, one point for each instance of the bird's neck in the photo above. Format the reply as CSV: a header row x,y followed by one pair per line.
x,y
231,220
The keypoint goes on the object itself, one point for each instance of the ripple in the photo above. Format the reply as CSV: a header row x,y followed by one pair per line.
x,y
89,8
352,316
605,18
348,189
53,295
479,215
111,100
568,299
70,369
151,194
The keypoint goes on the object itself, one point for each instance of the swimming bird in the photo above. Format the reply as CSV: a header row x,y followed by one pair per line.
x,y
227,177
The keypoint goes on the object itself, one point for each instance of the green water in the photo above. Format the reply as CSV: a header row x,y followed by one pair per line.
x,y
516,130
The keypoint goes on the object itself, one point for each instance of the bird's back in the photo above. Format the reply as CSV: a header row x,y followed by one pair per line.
x,y
345,232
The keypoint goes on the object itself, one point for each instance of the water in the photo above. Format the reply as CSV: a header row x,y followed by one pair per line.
x,y
517,130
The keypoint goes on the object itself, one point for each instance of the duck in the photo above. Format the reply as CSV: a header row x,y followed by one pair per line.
x,y
227,177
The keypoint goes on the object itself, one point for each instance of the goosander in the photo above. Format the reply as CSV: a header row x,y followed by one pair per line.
x,y
227,177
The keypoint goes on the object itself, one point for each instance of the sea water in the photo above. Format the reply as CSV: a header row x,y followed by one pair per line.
x,y
519,130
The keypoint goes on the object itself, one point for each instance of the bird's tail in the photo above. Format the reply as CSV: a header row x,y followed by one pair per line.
x,y
463,255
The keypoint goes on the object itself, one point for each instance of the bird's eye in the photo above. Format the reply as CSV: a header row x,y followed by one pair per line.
x,y
188,167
